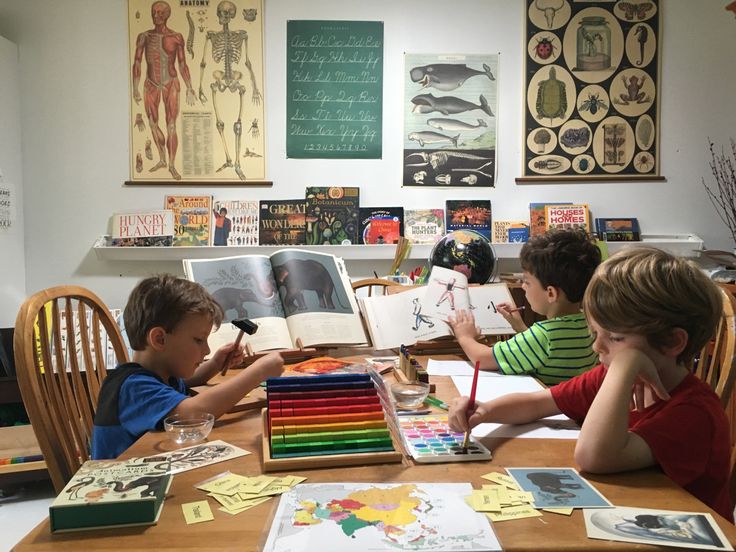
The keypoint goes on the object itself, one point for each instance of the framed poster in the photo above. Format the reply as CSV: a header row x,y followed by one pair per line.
x,y
591,106
334,85
196,95
450,106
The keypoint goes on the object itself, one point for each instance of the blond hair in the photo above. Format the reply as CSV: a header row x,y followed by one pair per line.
x,y
650,292
163,300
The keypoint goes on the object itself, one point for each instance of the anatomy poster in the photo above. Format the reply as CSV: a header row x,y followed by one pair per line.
x,y
196,91
450,107
592,89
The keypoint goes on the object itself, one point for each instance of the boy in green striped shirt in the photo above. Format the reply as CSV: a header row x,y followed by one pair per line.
x,y
557,267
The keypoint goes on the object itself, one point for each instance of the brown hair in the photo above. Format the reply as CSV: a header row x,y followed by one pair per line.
x,y
649,292
163,300
565,259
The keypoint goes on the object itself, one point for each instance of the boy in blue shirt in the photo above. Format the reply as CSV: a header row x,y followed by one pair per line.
x,y
557,267
168,321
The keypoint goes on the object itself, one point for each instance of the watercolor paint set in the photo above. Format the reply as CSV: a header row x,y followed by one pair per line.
x,y
430,440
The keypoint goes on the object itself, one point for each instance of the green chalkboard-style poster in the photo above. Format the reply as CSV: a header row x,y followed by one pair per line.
x,y
334,84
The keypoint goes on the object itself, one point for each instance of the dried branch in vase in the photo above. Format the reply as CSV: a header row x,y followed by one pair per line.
x,y
723,194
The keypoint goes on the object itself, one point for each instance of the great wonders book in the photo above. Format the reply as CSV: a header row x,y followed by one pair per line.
x,y
469,214
332,215
143,229
235,222
108,493
192,216
291,294
617,229
283,222
424,226
381,225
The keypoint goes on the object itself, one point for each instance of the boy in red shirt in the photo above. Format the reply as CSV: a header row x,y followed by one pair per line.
x,y
649,313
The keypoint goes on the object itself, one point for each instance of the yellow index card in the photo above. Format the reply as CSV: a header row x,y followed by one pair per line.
x,y
256,484
522,496
486,501
501,492
227,485
561,511
293,480
197,512
501,479
515,512
244,505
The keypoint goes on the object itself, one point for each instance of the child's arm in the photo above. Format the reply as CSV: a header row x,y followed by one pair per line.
x,y
512,315
463,326
605,444
222,397
515,408
212,366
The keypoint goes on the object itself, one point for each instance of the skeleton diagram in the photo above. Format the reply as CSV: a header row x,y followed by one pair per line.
x,y
227,47
163,47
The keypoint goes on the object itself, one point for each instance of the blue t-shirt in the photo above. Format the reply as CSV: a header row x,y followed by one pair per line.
x,y
143,402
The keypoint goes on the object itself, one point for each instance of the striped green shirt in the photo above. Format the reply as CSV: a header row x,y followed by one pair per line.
x,y
552,350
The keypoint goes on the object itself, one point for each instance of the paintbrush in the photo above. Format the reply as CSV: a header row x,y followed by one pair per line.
x,y
245,326
402,250
471,404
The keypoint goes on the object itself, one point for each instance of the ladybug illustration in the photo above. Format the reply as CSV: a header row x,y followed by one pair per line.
x,y
544,47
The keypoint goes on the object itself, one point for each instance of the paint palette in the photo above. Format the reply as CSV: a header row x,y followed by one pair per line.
x,y
430,440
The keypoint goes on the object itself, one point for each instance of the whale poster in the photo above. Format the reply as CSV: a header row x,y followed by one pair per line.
x,y
450,108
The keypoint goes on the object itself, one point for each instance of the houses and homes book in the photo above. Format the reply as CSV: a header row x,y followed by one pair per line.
x,y
538,217
143,229
567,216
617,229
282,222
332,215
291,294
510,231
424,226
235,222
469,214
107,493
192,215
419,313
381,225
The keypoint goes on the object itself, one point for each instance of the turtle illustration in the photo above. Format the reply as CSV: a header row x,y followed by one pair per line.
x,y
551,97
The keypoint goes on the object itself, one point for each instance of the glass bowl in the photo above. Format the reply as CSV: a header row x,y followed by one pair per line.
x,y
410,394
187,429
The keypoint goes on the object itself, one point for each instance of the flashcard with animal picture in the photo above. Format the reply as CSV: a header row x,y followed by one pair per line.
x,y
558,488
450,108
188,458
592,89
691,530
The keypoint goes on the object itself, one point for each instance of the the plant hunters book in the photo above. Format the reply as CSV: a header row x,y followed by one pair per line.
x,y
420,313
109,493
291,294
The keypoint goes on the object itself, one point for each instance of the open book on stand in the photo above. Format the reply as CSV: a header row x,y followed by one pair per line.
x,y
298,299
420,313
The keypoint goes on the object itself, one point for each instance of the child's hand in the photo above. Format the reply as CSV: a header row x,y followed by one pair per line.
x,y
236,359
646,376
462,417
463,325
512,316
270,366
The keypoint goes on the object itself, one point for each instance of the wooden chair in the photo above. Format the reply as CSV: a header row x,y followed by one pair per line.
x,y
374,284
715,364
65,340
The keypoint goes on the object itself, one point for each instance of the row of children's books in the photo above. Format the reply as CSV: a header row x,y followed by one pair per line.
x,y
333,216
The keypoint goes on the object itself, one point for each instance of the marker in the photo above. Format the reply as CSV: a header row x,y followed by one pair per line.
x,y
517,309
434,401
471,404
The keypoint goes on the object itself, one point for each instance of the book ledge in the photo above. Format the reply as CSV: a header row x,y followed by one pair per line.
x,y
685,245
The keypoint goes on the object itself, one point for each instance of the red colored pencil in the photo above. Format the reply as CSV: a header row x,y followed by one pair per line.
x,y
471,404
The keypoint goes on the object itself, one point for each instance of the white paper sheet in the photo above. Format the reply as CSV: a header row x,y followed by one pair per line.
x,y
554,427
455,368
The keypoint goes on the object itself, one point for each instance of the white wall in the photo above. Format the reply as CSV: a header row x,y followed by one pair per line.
x,y
74,81
12,269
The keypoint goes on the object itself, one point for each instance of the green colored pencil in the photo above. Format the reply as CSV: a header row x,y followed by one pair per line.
x,y
438,403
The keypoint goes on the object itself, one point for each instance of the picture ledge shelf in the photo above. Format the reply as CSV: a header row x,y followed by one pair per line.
x,y
685,245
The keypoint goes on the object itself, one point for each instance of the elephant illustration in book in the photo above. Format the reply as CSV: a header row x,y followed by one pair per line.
x,y
228,298
297,275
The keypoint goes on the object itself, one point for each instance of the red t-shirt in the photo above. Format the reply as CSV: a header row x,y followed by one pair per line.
x,y
688,435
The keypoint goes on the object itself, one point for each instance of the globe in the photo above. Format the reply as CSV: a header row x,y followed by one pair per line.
x,y
466,251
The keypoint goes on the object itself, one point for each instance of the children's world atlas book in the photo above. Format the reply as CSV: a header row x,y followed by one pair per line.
x,y
337,517
291,294
107,493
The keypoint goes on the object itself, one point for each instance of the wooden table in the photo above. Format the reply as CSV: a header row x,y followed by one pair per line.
x,y
248,531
